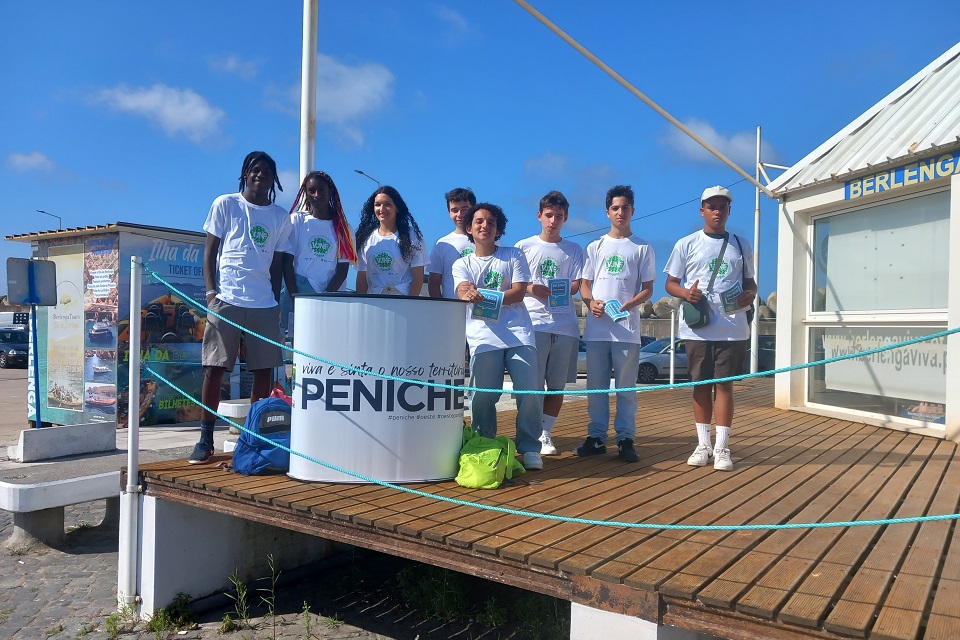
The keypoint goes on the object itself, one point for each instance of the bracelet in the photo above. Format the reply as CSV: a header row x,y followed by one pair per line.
x,y
209,291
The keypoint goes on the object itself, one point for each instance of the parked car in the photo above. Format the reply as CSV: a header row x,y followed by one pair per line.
x,y
13,347
655,361
582,354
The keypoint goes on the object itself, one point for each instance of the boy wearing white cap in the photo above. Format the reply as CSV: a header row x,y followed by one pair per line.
x,y
718,266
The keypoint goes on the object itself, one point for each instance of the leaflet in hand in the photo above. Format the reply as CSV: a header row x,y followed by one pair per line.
x,y
489,309
614,310
559,292
729,299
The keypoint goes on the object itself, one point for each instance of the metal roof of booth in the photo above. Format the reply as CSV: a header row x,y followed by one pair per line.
x,y
98,228
921,116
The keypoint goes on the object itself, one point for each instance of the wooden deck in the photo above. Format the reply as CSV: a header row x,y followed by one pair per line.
x,y
895,581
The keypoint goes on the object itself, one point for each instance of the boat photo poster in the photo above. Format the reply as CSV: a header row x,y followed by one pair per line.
x,y
171,329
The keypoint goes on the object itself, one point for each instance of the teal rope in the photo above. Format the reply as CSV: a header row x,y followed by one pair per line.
x,y
558,518
645,388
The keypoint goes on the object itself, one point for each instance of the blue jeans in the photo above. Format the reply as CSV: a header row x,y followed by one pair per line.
x,y
286,302
486,369
623,358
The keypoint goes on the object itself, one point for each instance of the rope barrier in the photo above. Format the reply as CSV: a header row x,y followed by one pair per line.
x,y
549,516
569,519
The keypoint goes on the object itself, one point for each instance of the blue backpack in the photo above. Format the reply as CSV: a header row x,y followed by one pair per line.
x,y
269,417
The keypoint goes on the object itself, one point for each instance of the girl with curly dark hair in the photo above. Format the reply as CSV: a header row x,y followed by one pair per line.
x,y
390,249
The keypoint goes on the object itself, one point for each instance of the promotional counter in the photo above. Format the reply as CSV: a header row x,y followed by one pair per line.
x,y
379,427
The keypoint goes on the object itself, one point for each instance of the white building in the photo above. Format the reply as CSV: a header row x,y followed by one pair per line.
x,y
869,253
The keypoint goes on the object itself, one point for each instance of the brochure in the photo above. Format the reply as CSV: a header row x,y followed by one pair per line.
x,y
559,292
489,309
729,299
613,309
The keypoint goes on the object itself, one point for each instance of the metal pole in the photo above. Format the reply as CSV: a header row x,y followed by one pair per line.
x,y
37,422
127,567
32,292
308,89
754,338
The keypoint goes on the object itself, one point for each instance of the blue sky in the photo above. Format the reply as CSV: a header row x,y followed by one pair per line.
x,y
136,112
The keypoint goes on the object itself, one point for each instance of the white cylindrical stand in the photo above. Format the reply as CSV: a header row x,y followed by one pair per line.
x,y
381,428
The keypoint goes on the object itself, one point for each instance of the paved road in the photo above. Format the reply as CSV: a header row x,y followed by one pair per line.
x,y
68,592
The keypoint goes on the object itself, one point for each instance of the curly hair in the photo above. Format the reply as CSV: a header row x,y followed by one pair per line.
x,y
492,208
409,243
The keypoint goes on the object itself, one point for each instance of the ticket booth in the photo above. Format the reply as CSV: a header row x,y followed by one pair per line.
x,y
869,254
83,341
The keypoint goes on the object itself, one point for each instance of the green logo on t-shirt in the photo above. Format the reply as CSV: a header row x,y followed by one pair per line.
x,y
615,265
722,271
383,260
466,251
260,236
548,268
492,280
320,246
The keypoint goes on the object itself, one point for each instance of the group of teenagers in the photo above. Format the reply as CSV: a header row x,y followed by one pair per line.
x,y
258,256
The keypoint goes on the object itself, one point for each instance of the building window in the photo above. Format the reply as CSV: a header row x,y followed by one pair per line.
x,y
886,257
906,382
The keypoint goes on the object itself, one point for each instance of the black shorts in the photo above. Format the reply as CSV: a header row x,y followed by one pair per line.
x,y
715,359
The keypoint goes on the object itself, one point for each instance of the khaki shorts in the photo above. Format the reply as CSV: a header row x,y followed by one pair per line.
x,y
555,352
715,359
221,340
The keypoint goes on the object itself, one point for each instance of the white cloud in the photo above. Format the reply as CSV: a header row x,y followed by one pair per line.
x,y
291,184
453,19
235,65
740,147
34,161
179,112
346,96
548,165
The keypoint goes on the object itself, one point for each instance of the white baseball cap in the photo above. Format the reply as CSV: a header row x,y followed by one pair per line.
x,y
711,192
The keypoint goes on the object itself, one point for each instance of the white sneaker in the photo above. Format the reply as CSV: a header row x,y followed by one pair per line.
x,y
701,456
722,460
546,446
532,460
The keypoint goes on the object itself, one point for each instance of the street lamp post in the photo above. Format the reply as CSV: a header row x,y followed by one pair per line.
x,y
59,220
366,176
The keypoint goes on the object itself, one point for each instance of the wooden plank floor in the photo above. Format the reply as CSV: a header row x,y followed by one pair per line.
x,y
897,581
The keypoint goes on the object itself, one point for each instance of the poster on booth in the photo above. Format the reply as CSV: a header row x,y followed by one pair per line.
x,y
915,372
78,336
171,329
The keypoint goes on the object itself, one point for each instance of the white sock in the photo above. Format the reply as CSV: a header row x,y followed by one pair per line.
x,y
723,436
703,433
548,422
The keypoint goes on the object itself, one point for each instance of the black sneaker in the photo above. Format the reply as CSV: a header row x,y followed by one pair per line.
x,y
201,453
627,452
590,447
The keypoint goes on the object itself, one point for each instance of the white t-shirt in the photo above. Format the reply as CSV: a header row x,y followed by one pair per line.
x,y
617,269
693,258
249,235
315,243
380,258
499,272
448,250
547,260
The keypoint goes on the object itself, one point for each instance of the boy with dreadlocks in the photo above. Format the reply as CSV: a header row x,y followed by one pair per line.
x,y
322,242
247,235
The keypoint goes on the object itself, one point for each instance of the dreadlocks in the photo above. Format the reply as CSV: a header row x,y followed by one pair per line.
x,y
345,248
252,158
